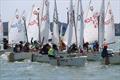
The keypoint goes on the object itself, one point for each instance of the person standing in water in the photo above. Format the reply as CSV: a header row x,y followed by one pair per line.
x,y
105,56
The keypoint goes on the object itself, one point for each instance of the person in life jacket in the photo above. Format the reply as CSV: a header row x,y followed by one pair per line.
x,y
45,49
53,51
105,56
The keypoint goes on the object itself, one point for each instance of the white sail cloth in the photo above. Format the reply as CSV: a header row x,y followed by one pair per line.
x,y
80,24
69,37
91,26
55,36
45,23
109,25
33,28
16,30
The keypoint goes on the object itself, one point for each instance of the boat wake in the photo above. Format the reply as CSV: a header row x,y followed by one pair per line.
x,y
4,56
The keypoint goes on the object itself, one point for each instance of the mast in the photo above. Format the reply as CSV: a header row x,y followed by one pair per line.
x,y
81,25
55,36
101,28
75,28
24,20
40,21
38,17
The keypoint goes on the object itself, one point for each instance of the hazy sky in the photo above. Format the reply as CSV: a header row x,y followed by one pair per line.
x,y
8,7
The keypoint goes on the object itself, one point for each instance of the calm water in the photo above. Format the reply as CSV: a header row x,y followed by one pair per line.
x,y
41,71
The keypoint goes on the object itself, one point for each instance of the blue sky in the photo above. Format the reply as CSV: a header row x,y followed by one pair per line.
x,y
8,7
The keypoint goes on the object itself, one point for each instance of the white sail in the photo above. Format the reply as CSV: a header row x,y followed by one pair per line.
x,y
61,31
69,37
101,28
80,24
33,28
45,24
55,36
23,31
91,25
1,34
16,30
109,25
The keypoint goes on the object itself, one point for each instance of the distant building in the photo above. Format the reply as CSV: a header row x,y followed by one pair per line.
x,y
117,29
5,28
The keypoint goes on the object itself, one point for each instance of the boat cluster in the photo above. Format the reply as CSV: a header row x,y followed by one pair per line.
x,y
51,53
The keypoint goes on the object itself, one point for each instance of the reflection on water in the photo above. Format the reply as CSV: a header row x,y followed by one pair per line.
x,y
41,71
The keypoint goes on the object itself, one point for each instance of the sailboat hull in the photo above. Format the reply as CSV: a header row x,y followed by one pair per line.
x,y
70,61
114,59
19,56
65,61
40,58
94,56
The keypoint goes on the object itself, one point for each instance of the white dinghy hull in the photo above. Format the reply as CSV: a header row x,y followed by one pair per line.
x,y
94,56
40,58
69,61
115,59
19,56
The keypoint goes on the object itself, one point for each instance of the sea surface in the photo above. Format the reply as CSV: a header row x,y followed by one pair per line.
x,y
42,71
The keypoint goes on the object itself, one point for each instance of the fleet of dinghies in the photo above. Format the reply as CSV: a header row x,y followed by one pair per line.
x,y
83,27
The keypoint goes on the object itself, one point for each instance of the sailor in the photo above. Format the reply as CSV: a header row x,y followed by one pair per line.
x,y
26,47
5,41
16,49
21,45
73,48
35,46
45,49
105,56
53,51
95,46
